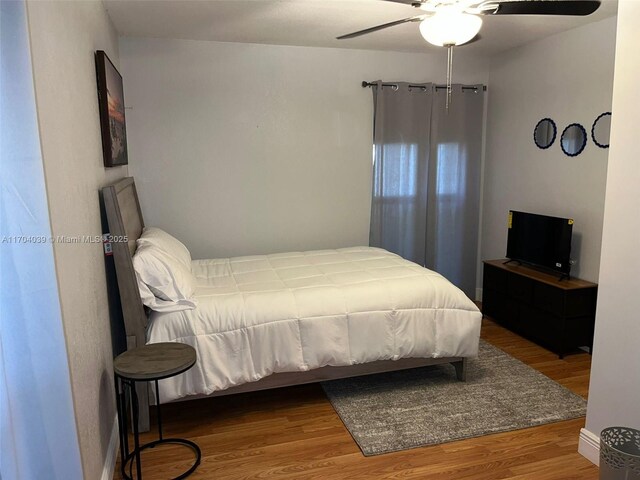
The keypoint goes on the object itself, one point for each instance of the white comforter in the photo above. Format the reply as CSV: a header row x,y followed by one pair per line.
x,y
297,311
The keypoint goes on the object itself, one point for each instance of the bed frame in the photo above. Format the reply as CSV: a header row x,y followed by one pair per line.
x,y
125,220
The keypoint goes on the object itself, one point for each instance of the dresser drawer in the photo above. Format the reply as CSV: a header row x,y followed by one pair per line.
x,y
520,288
500,307
580,302
548,298
546,329
558,314
494,278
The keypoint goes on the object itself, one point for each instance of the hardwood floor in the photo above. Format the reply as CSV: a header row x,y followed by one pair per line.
x,y
294,433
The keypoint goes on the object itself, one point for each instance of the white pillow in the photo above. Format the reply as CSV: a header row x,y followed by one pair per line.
x,y
168,243
165,284
158,305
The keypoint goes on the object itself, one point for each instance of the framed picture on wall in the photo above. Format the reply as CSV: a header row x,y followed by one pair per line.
x,y
111,103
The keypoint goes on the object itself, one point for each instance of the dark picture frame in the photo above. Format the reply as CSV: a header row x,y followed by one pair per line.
x,y
112,117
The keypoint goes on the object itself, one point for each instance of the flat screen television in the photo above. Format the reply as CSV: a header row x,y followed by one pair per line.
x,y
540,240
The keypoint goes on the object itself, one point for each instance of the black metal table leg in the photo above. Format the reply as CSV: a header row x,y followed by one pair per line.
x,y
158,410
141,365
121,408
136,434
128,457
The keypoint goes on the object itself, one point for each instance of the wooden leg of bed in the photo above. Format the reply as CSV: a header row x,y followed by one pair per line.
x,y
461,369
142,389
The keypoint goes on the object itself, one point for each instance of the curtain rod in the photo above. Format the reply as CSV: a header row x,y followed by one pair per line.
x,y
438,87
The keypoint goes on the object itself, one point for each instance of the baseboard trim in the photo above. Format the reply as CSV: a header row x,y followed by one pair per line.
x,y
478,294
112,453
589,446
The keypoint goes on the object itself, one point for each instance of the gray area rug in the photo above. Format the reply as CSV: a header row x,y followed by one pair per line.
x,y
425,406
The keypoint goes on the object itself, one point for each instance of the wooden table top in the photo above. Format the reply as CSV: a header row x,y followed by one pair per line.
x,y
154,361
552,279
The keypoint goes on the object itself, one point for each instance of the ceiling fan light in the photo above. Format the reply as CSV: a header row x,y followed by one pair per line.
x,y
450,28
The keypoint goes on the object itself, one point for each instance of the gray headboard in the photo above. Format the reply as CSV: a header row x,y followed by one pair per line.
x,y
125,220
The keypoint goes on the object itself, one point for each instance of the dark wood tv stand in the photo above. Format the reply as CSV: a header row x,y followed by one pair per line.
x,y
557,314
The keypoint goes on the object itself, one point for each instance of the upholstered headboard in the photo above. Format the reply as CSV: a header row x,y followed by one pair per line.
x,y
125,226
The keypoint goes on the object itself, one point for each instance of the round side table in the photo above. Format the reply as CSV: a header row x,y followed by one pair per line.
x,y
148,363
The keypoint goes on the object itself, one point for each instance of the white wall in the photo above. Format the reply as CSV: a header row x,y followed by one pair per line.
x,y
245,149
567,77
64,37
614,391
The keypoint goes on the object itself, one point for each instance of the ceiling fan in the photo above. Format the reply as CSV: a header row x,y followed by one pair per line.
x,y
450,23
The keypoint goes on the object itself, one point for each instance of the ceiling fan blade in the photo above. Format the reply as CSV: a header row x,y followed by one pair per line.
x,y
417,18
539,7
413,3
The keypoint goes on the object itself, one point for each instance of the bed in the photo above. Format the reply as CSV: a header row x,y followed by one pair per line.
x,y
269,321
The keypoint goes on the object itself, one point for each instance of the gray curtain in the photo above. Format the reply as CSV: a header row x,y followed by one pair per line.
x,y
426,177
402,121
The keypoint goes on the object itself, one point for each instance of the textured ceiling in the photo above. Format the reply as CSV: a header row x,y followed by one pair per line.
x,y
318,22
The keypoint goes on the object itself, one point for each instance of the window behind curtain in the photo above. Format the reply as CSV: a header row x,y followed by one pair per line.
x,y
400,175
426,177
395,195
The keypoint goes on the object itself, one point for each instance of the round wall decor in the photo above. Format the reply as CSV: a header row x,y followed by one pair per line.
x,y
545,133
573,140
600,130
